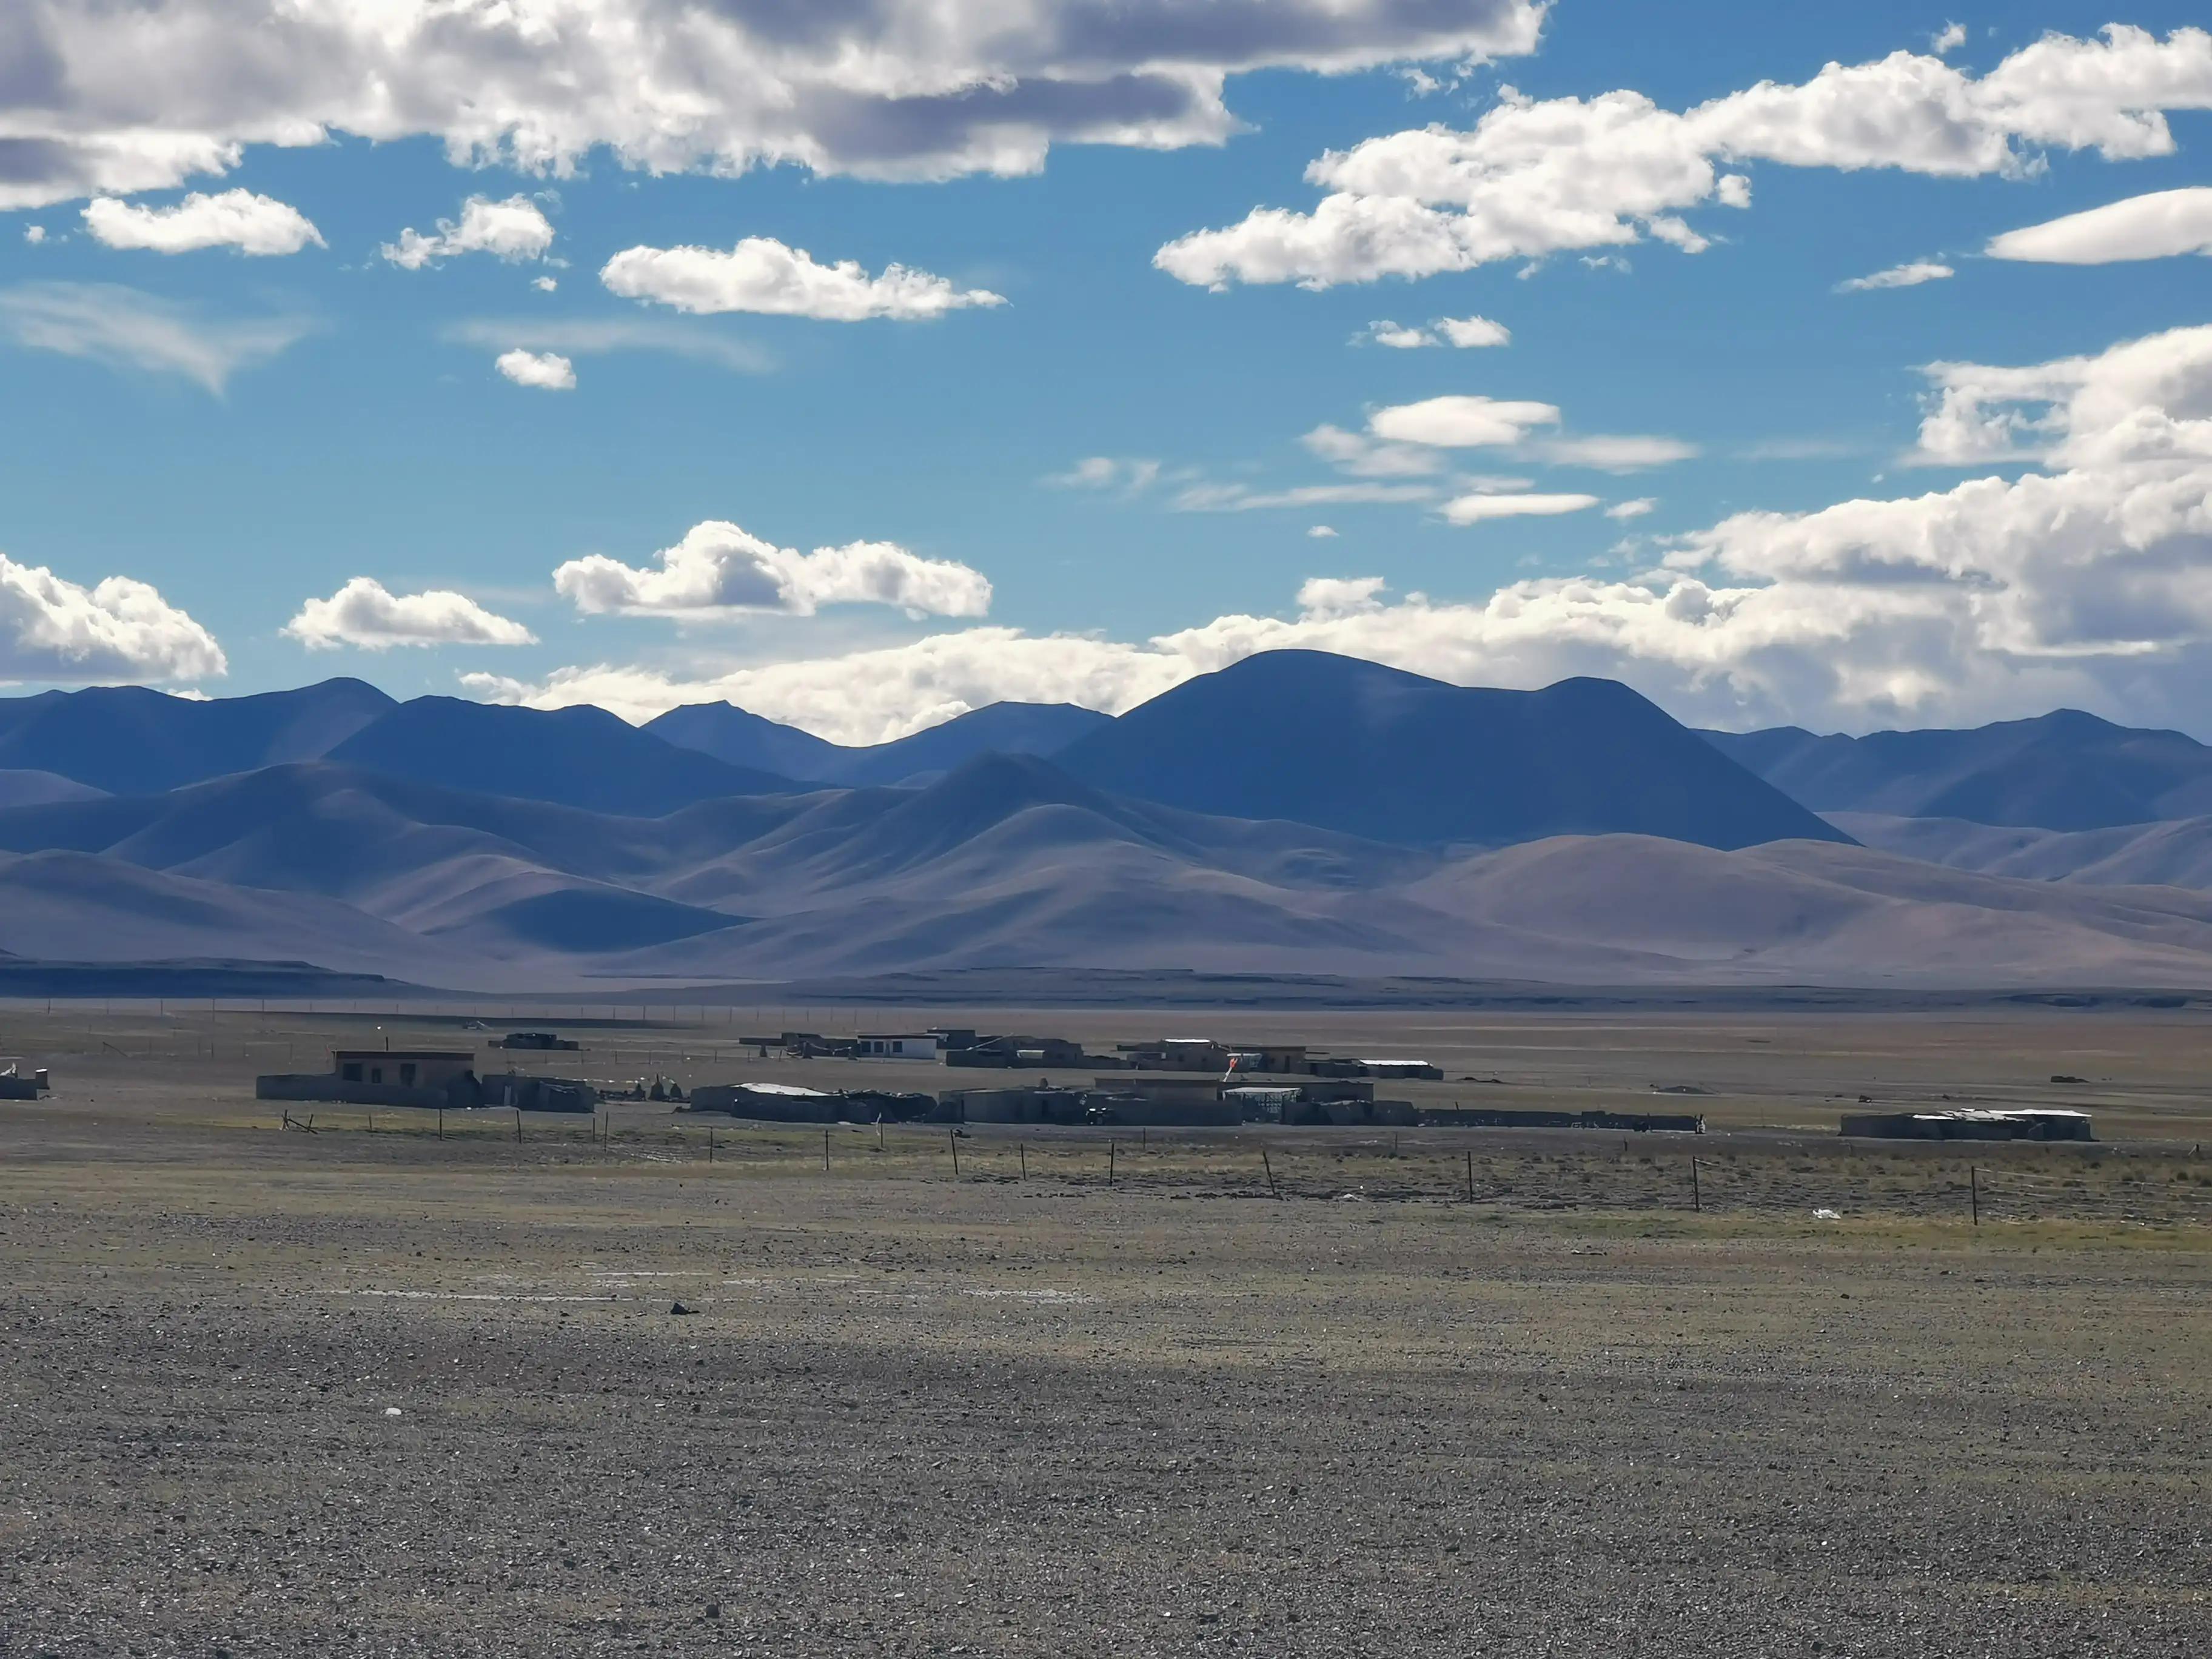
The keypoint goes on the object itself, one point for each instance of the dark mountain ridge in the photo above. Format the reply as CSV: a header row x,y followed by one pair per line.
x,y
1377,752
128,740
576,756
730,733
1007,862
2065,770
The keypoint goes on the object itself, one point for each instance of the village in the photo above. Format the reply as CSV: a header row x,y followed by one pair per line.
x,y
1169,1082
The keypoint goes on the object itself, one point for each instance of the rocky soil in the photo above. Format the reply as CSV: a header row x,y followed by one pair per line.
x,y
269,1393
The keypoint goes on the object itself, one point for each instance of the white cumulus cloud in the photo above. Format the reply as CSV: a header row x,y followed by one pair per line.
x,y
1466,332
2142,401
117,100
719,568
761,274
1537,177
548,371
1340,596
2159,226
117,630
1396,335
515,230
1470,333
2088,585
1635,509
233,218
364,613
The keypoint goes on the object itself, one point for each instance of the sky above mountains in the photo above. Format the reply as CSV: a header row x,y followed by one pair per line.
x,y
869,362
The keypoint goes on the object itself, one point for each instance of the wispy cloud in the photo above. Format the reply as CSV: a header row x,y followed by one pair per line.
x,y
1131,474
586,336
1908,275
1240,498
1802,449
128,329
1609,453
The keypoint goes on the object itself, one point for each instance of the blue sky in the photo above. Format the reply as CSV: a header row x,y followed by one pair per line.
x,y
1782,570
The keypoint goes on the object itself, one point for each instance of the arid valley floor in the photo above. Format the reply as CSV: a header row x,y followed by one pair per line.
x,y
372,1392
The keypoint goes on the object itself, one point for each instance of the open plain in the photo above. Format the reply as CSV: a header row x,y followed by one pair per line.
x,y
365,1391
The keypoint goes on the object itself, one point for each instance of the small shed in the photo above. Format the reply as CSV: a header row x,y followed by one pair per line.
x,y
19,1082
1971,1123
1402,1069
770,1102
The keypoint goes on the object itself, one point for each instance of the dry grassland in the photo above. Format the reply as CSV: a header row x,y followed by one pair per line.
x,y
350,1392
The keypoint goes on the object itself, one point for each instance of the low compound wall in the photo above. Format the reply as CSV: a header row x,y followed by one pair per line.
x,y
329,1086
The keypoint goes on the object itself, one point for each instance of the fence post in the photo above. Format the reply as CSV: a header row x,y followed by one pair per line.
x,y
1470,1174
1974,1191
441,1124
1697,1197
517,1123
953,1140
1109,1160
1272,1191
710,1144
1024,1148
825,1152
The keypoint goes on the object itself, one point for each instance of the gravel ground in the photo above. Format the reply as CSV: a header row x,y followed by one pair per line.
x,y
264,1394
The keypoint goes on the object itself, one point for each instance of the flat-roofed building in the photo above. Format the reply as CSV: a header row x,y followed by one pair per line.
x,y
1178,1054
773,1102
384,1077
1971,1123
897,1045
405,1068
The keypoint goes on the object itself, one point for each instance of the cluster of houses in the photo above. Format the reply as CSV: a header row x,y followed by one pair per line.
x,y
966,1047
1169,1082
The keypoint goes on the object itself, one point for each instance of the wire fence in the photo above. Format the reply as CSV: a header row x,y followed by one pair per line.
x,y
1572,1171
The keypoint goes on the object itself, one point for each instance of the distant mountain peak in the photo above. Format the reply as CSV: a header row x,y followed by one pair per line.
x,y
743,739
1376,751
128,739
2066,770
581,756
